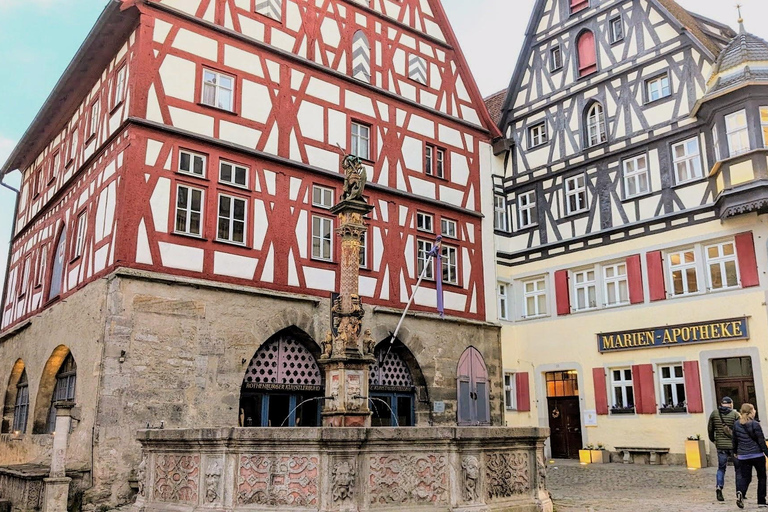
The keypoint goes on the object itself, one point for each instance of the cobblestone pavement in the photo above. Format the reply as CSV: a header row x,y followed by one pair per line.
x,y
629,487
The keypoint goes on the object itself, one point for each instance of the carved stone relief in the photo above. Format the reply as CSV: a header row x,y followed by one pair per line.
x,y
408,479
141,476
541,467
507,474
470,470
277,481
176,478
212,482
343,481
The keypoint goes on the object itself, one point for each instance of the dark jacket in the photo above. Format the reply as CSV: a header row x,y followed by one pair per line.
x,y
715,427
748,439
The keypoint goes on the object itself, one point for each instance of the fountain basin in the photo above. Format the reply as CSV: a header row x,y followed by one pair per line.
x,y
343,469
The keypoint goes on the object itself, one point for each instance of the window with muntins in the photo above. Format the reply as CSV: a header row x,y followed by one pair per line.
x,y
596,133
737,132
623,390
189,211
363,259
636,180
64,391
434,161
510,392
615,284
537,135
716,142
722,269
361,140
82,224
450,265
501,216
424,261
534,298
448,228
21,407
683,272
322,238
93,122
587,53
231,222
657,87
120,85
585,289
575,194
617,29
233,174
322,197
672,384
502,293
424,222
218,90
192,163
526,208
555,58
687,160
763,125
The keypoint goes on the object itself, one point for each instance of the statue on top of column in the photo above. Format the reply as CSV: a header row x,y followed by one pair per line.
x,y
355,179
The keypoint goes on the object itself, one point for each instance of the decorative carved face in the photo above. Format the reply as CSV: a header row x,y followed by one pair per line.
x,y
471,467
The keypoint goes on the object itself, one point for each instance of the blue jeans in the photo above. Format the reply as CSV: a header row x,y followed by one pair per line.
x,y
722,463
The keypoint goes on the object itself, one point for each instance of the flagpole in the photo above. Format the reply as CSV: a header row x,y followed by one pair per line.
x,y
431,255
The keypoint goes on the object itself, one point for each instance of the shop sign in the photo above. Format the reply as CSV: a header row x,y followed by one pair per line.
x,y
686,334
268,386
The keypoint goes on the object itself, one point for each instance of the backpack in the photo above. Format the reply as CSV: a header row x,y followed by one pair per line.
x,y
727,431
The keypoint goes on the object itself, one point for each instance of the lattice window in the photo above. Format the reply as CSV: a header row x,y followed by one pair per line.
x,y
284,361
393,372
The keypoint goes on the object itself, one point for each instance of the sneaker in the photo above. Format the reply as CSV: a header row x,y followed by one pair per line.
x,y
739,499
720,495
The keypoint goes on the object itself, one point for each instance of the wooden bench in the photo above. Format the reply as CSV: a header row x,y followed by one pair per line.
x,y
654,453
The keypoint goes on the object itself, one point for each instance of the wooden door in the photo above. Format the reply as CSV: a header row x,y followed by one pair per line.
x,y
472,389
565,426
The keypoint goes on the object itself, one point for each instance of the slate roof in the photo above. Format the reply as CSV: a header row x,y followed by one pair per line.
x,y
495,105
744,48
692,25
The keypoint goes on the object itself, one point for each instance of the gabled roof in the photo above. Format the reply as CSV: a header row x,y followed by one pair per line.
x,y
691,24
113,27
495,104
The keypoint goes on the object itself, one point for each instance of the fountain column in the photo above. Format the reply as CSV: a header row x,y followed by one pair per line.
x,y
347,352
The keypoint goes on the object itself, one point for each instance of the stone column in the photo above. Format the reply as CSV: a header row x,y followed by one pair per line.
x,y
57,485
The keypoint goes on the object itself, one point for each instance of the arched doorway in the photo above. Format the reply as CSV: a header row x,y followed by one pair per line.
x,y
58,383
392,389
472,383
283,385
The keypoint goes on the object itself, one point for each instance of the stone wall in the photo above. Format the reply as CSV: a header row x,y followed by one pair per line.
x,y
327,469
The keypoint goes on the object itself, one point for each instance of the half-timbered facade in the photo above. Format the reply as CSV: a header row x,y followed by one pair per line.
x,y
174,238
623,248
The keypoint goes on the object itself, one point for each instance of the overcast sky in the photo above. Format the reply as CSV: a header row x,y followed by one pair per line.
x,y
39,37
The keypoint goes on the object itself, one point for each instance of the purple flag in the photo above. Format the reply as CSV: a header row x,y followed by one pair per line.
x,y
437,253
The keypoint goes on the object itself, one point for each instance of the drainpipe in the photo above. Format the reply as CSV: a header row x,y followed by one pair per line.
x,y
10,245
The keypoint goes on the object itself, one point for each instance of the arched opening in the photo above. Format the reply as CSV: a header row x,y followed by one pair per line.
x,y
361,57
57,270
472,388
595,119
12,398
283,385
58,383
392,387
587,54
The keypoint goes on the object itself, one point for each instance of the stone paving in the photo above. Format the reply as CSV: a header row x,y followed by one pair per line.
x,y
629,487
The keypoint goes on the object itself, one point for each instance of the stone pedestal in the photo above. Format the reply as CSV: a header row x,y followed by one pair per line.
x,y
56,494
57,486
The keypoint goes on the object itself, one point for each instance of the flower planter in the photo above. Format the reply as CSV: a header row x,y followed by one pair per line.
x,y
600,456
695,454
585,456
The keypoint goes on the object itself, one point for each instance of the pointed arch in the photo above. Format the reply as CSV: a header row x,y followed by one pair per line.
x,y
18,375
57,383
594,122
472,389
361,57
57,266
585,44
397,386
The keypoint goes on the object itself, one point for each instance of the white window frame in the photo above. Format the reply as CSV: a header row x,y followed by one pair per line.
x,y
423,247
93,120
434,161
737,134
192,155
683,267
672,381
363,258
189,211
586,289
230,218
689,162
510,391
450,271
616,281
501,214
616,36
576,187
621,385
537,135
634,173
218,89
422,219
658,87
235,168
526,207
596,131
120,85
327,195
538,292
555,58
82,227
74,143
721,261
42,266
56,166
324,236
502,300
716,142
764,125
361,136
449,228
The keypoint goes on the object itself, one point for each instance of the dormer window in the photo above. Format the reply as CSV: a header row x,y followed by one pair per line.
x,y
578,5
587,55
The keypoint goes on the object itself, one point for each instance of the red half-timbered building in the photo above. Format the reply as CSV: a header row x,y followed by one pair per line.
x,y
174,220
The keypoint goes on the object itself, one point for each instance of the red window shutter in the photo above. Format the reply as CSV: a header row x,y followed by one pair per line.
x,y
523,390
693,387
655,276
601,390
635,280
587,54
645,394
562,293
578,5
745,252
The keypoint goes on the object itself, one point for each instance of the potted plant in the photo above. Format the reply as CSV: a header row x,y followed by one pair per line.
x,y
585,455
619,409
682,407
600,455
695,452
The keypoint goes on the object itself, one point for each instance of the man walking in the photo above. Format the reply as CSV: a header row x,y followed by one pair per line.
x,y
720,428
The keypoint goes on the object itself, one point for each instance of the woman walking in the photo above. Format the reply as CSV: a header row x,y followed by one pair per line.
x,y
749,447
